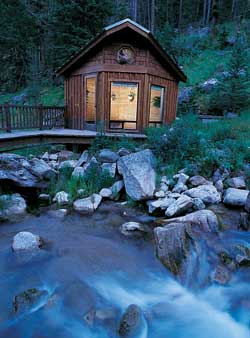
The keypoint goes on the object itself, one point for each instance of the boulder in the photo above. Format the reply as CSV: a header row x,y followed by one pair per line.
x,y
90,165
106,193
219,185
133,323
206,220
87,205
78,172
59,213
160,194
27,300
207,193
65,155
12,208
172,245
198,204
83,158
20,172
220,174
123,152
68,165
62,198
181,183
26,241
198,180
106,155
247,204
138,174
235,197
162,203
109,168
116,189
180,206
237,182
132,229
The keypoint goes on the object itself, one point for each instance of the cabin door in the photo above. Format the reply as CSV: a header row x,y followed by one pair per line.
x,y
90,102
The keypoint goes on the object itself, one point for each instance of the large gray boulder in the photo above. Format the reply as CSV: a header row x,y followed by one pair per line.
x,y
172,245
62,198
138,174
206,220
207,193
133,323
235,197
133,229
20,172
12,208
87,205
26,241
198,180
237,182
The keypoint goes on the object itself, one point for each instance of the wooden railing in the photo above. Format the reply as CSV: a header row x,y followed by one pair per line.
x,y
14,117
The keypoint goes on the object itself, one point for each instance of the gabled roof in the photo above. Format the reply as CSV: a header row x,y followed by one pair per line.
x,y
118,26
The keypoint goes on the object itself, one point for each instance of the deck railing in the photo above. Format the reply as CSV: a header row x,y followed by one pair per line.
x,y
14,117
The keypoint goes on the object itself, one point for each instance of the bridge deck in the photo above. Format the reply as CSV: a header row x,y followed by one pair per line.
x,y
19,139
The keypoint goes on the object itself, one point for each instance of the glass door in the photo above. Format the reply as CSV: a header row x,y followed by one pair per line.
x,y
90,102
123,105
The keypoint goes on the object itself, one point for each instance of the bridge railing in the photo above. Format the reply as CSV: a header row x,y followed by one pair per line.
x,y
13,117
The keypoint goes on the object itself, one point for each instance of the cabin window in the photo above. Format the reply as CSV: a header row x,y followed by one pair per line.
x,y
90,100
156,105
123,105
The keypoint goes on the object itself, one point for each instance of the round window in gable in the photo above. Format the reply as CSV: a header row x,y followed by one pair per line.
x,y
125,55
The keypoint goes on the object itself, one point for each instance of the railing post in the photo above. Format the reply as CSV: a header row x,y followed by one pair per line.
x,y
8,120
40,116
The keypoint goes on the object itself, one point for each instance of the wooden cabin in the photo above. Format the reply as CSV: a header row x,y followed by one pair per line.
x,y
122,81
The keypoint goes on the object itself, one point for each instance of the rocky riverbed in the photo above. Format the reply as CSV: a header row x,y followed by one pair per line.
x,y
177,265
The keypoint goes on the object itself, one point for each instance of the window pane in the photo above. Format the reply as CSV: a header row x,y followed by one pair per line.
x,y
90,100
156,104
123,106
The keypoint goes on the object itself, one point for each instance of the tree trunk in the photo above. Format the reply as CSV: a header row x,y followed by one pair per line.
x,y
204,12
152,25
180,14
208,12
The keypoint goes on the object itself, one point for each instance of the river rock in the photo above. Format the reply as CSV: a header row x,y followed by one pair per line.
x,y
220,174
206,220
29,299
106,193
160,194
237,182
162,203
172,245
198,204
247,204
62,198
106,155
24,173
68,165
123,152
83,158
12,208
26,241
180,206
109,168
198,180
207,193
90,165
138,174
132,229
221,275
181,184
133,323
116,189
87,205
78,172
219,185
235,197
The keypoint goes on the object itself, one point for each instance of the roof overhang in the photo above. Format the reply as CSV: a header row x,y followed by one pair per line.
x,y
116,27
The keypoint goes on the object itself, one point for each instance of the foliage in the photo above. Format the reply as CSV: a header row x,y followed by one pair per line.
x,y
92,182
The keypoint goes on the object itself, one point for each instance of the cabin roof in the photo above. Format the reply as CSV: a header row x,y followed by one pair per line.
x,y
111,29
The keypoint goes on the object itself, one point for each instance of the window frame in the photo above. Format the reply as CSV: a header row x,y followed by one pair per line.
x,y
86,77
162,107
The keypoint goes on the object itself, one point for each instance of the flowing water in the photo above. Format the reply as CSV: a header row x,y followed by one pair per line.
x,y
88,267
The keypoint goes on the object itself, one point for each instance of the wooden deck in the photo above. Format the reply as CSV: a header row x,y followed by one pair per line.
x,y
20,139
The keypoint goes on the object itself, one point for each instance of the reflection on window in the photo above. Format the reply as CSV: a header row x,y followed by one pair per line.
x,y
156,105
90,100
123,106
